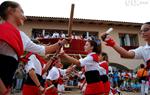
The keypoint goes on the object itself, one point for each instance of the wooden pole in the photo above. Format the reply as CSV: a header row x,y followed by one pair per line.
x,y
69,32
71,21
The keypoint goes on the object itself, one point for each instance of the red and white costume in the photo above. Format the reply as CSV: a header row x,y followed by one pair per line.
x,y
94,84
61,86
106,82
11,48
104,64
12,45
14,41
15,44
35,62
55,75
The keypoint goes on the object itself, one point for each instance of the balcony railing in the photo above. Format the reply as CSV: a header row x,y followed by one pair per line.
x,y
75,47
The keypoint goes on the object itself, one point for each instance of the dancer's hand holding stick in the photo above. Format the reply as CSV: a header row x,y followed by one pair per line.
x,y
107,38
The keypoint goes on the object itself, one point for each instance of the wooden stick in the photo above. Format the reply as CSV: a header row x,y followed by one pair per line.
x,y
71,21
84,82
69,33
49,87
80,56
66,86
71,92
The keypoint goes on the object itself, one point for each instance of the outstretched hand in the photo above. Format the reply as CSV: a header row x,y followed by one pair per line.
x,y
69,69
64,41
68,39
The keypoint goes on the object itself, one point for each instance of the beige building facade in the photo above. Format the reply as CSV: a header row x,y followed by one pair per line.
x,y
125,33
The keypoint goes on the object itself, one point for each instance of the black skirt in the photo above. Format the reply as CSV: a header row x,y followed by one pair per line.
x,y
8,66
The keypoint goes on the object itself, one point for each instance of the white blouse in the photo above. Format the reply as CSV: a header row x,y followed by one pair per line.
x,y
55,72
89,63
35,64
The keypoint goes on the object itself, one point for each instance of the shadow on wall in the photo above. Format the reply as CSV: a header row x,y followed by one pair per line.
x,y
118,66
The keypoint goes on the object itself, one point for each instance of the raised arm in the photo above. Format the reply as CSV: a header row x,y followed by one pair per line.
x,y
123,52
68,58
71,60
54,47
111,42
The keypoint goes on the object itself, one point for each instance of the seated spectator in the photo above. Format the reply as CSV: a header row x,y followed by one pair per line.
x,y
46,36
62,35
55,35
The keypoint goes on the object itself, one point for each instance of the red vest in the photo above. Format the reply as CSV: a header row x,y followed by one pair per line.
x,y
11,36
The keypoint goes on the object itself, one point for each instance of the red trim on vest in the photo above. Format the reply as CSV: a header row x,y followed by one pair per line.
x,y
11,36
95,57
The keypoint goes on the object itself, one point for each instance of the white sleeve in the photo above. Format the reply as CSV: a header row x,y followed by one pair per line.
x,y
30,46
30,64
63,71
53,74
86,61
138,52
101,70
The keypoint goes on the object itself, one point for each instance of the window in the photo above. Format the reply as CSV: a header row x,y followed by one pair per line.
x,y
128,41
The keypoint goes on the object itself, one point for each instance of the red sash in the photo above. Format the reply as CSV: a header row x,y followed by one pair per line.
x,y
104,64
95,57
11,36
42,61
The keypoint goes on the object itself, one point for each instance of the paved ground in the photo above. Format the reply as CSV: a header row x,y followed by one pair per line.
x,y
78,93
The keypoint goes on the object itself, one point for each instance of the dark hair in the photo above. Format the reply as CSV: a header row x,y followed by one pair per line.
x,y
147,23
96,46
4,8
148,62
142,65
104,56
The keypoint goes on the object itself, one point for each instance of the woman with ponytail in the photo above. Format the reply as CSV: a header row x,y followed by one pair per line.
x,y
91,64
